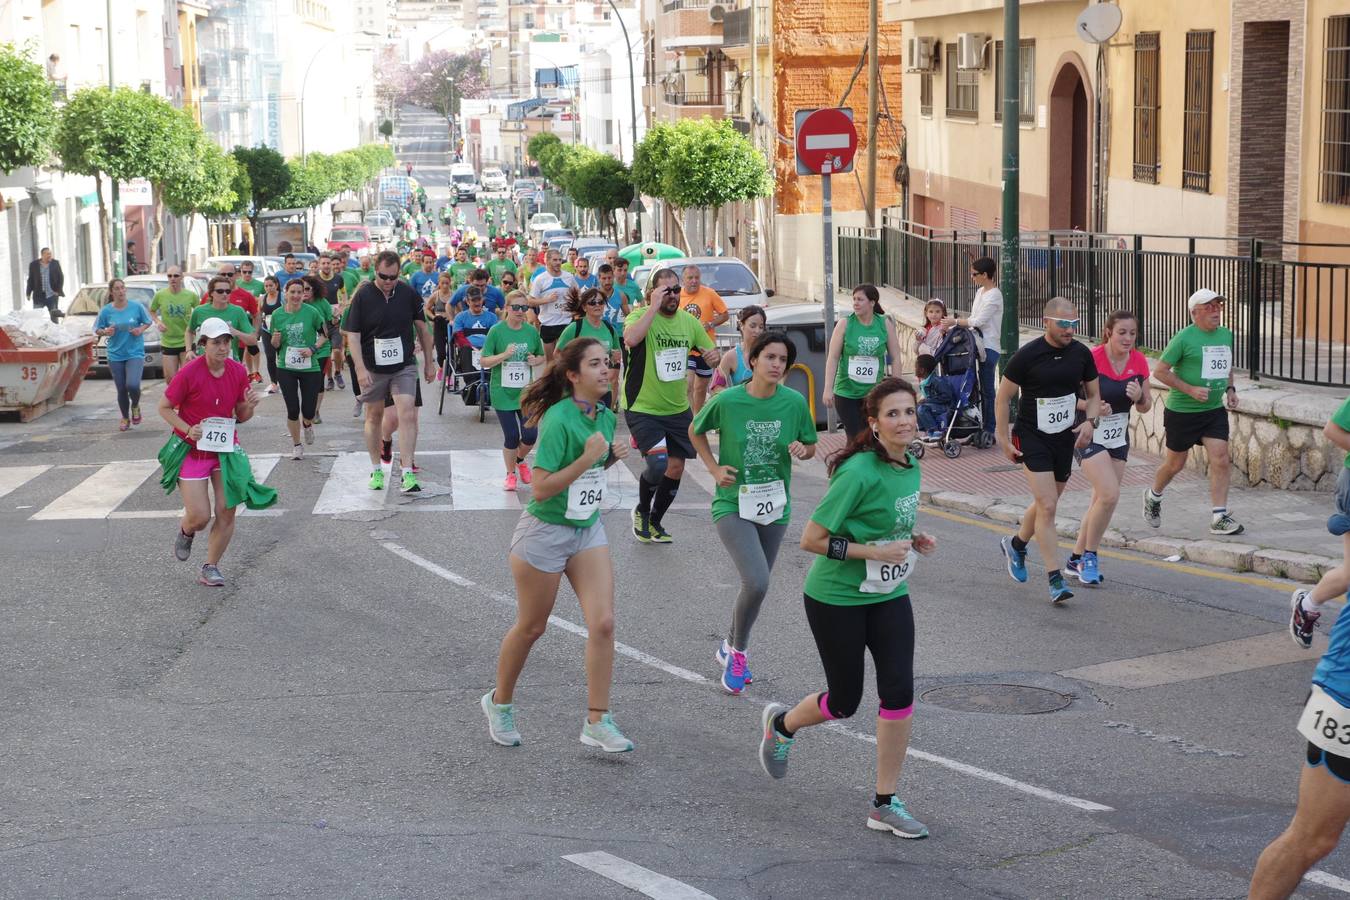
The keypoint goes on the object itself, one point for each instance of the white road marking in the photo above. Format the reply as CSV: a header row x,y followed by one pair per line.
x,y
270,513
1273,648
1326,879
262,466
695,678
631,875
347,487
15,478
100,493
476,480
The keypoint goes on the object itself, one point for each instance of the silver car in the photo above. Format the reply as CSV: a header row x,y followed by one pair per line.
x,y
84,308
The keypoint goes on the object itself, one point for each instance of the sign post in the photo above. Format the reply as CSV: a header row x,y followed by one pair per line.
x,y
826,142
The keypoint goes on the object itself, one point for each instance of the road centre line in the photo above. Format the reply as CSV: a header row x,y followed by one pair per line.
x,y
631,875
695,678
1001,528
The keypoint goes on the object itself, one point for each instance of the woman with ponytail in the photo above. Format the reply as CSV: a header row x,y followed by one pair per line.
x,y
857,596
560,533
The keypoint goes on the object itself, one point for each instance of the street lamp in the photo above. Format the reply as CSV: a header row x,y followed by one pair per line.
x,y
300,100
632,99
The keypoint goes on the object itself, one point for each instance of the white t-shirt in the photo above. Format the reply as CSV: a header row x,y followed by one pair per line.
x,y
987,315
555,288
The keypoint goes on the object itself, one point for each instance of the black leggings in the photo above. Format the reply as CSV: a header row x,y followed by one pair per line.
x,y
850,414
843,632
270,352
514,430
300,390
440,329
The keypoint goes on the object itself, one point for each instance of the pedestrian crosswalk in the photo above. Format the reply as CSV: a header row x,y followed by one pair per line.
x,y
453,480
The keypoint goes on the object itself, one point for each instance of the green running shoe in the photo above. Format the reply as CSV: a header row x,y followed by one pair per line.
x,y
377,480
410,484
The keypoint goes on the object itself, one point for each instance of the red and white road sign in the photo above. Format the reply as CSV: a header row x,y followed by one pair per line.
x,y
825,135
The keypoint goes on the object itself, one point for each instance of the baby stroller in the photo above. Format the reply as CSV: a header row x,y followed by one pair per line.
x,y
958,365
464,373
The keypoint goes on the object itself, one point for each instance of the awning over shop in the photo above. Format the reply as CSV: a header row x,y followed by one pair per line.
x,y
516,112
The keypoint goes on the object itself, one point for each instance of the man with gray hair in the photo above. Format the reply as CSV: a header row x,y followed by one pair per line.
x,y
46,283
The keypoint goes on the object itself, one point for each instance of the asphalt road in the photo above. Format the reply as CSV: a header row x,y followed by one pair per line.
x,y
312,729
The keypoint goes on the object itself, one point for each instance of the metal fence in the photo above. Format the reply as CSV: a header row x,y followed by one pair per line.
x,y
1290,317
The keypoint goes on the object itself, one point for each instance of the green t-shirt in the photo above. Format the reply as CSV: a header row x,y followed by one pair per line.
x,y
630,290
643,390
233,315
410,267
461,271
254,287
497,266
1342,421
868,500
605,334
499,337
563,432
299,329
860,340
754,437
325,309
351,278
174,310
1193,354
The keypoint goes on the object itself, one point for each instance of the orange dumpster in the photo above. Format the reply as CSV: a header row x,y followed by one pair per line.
x,y
37,380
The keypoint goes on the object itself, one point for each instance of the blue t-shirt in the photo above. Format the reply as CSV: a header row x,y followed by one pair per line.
x,y
1333,670
467,321
424,283
283,277
124,345
590,281
493,298
443,263
614,310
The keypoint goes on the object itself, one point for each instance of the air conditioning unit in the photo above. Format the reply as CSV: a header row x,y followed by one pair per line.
x,y
920,55
970,50
717,13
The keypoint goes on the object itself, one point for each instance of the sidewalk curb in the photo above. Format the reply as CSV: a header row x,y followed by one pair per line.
x,y
1278,563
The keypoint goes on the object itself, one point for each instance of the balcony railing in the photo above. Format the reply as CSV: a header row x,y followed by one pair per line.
x,y
692,98
736,26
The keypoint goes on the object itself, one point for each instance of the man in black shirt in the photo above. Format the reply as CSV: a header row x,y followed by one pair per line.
x,y
1049,373
380,324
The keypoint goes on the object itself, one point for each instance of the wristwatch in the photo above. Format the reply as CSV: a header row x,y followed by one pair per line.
x,y
1095,421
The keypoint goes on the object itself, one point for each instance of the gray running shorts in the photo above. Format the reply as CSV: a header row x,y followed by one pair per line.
x,y
548,547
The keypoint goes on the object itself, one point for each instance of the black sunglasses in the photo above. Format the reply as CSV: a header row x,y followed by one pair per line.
x,y
384,277
220,291
519,307
595,302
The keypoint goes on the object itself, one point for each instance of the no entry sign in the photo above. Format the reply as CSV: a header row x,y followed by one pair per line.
x,y
825,135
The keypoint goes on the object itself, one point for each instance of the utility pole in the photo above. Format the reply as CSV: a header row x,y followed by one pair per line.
x,y
873,94
114,189
1008,274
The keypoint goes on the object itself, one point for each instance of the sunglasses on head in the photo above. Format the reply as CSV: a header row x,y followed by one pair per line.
x,y
519,307
1067,323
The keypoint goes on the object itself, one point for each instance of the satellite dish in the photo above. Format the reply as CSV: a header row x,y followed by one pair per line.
x,y
1098,23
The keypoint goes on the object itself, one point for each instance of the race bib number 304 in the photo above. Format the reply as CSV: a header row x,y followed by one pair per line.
x,y
1326,723
1055,414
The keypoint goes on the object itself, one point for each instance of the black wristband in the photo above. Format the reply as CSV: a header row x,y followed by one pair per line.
x,y
838,548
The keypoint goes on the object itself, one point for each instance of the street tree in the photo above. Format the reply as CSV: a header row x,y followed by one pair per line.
x,y
119,134
536,146
171,138
268,180
313,180
27,116
601,183
439,81
214,185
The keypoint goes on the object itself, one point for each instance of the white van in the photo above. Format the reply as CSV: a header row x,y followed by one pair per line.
x,y
464,181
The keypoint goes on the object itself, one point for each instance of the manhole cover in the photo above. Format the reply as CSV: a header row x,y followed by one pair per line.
x,y
1007,699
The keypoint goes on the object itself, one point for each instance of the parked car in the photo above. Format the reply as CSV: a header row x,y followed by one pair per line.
x,y
141,289
731,278
381,225
354,237
524,188
494,180
262,265
544,221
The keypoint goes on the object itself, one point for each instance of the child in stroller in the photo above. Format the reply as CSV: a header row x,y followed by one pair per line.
x,y
948,382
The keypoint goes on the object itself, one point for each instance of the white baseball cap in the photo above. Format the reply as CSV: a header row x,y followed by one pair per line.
x,y
213,328
1201,297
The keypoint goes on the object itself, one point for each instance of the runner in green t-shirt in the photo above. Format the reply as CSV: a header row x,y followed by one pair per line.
x,y
500,264
247,281
1197,365
857,357
660,338
314,297
461,268
510,350
171,308
560,531
588,309
762,426
857,597
299,332
241,326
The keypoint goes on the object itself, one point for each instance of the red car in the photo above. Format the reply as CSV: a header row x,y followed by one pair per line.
x,y
355,237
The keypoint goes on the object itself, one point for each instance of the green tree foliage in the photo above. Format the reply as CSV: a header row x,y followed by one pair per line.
x,y
321,176
387,128
27,118
214,185
536,146
269,179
